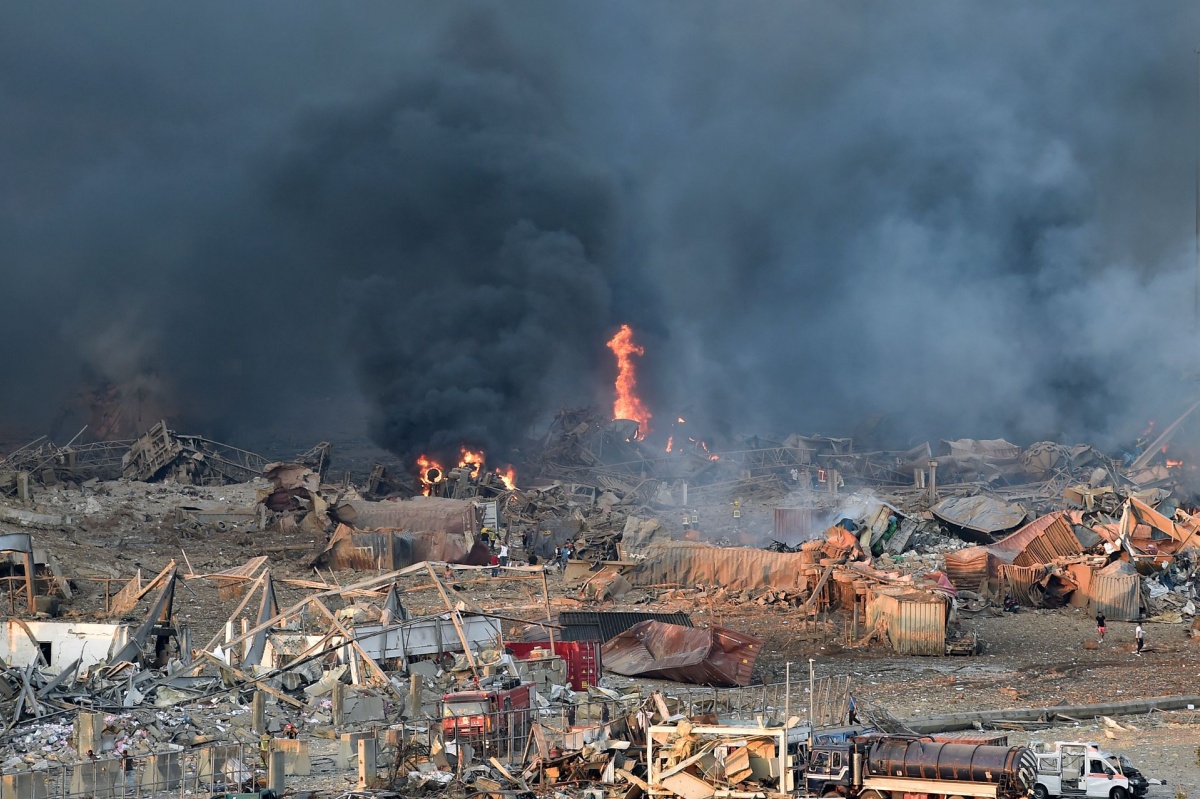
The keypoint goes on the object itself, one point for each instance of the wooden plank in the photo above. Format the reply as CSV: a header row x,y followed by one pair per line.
x,y
633,778
233,616
682,764
462,635
370,661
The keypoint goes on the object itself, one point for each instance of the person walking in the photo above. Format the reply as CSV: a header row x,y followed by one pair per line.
x,y
503,554
127,767
1140,635
1100,629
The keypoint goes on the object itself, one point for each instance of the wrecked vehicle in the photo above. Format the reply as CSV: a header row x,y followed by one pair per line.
x,y
488,714
1084,769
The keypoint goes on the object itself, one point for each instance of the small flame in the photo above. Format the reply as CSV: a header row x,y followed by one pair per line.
x,y
627,404
508,477
670,443
680,420
1174,464
430,473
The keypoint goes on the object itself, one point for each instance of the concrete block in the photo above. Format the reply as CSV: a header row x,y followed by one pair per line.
x,y
276,772
357,709
368,751
347,754
216,762
162,772
296,762
102,779
87,733
31,785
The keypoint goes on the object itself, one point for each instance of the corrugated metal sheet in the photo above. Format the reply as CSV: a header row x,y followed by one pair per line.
x,y
915,622
1115,591
418,515
735,568
1023,583
992,449
583,659
611,624
981,513
967,568
794,525
1042,540
389,549
710,656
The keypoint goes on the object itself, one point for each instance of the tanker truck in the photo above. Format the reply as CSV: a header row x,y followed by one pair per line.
x,y
911,767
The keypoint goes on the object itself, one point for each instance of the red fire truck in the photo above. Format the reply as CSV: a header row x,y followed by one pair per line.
x,y
492,714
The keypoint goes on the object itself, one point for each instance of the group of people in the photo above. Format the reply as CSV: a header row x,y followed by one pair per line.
x,y
500,556
1139,635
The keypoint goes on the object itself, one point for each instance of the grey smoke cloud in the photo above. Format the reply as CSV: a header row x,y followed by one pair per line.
x,y
975,218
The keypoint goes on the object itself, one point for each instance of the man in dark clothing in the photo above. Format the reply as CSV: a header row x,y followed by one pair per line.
x,y
1100,626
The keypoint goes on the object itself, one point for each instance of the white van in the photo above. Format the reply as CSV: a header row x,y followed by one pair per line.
x,y
1078,769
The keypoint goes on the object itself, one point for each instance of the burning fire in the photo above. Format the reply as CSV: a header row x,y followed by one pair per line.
x,y
430,472
508,477
627,404
670,443
472,461
1174,464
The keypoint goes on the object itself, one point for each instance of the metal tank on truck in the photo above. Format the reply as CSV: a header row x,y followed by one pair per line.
x,y
910,767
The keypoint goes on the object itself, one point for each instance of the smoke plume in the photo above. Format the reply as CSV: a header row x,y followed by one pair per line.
x,y
976,219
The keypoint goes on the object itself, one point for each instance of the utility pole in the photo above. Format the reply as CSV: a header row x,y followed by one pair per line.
x,y
812,693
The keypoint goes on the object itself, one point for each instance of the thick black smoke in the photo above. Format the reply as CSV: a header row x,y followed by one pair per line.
x,y
975,218
473,246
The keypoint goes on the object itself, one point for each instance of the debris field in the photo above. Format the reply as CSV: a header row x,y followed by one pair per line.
x,y
602,618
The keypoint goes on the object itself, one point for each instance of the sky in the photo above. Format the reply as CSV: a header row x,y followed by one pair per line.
x,y
975,219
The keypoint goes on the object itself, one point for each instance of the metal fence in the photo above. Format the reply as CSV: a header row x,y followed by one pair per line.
x,y
213,768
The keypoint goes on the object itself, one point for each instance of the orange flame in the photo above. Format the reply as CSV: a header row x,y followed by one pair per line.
x,y
680,420
508,477
670,443
472,460
627,404
430,473
1173,464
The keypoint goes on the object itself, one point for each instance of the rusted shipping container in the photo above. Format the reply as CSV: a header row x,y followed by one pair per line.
x,y
1115,591
915,621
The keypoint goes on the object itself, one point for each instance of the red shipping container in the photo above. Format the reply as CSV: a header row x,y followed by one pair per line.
x,y
582,659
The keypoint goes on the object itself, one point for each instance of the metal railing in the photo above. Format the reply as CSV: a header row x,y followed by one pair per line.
x,y
213,768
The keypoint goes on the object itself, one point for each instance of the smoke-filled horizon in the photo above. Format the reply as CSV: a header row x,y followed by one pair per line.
x,y
975,219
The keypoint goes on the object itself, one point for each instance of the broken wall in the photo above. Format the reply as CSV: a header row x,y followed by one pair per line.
x,y
90,643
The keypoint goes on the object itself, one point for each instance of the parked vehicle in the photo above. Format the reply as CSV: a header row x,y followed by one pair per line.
x,y
1079,769
900,766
